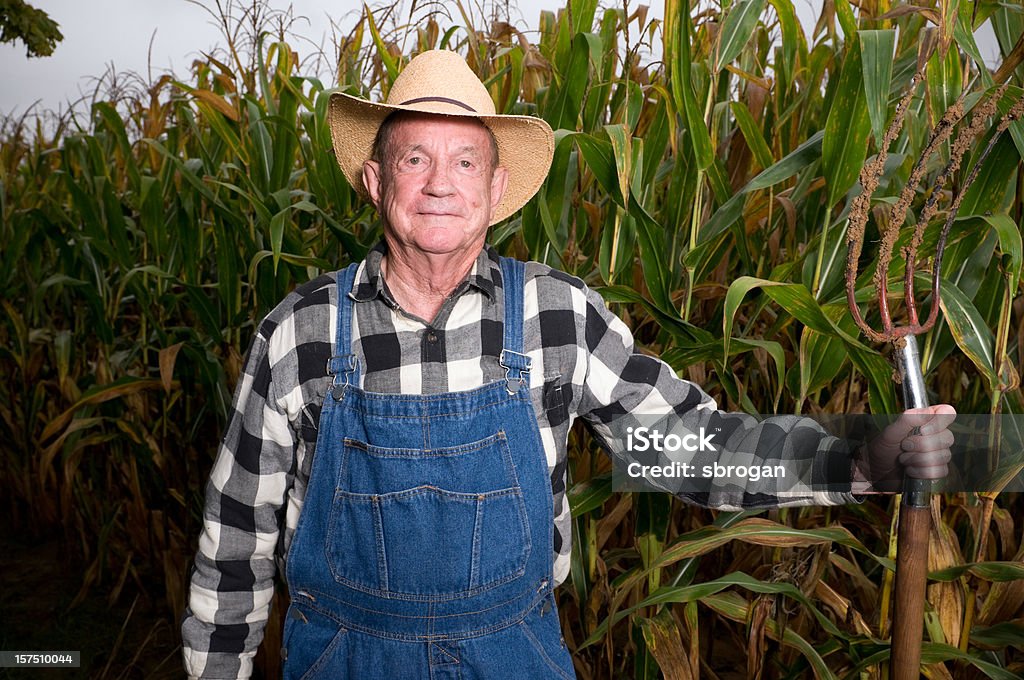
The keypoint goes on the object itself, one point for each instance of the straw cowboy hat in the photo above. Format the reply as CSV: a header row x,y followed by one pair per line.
x,y
440,81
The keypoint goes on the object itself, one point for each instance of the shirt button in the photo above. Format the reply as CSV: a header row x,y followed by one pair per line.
x,y
431,337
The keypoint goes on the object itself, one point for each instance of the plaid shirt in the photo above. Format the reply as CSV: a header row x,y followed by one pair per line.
x,y
584,365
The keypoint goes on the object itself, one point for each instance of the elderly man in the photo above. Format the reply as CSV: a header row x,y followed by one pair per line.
x,y
436,383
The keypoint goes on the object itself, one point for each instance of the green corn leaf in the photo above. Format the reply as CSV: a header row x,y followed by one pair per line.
x,y
682,92
989,191
207,313
846,20
949,10
655,142
727,214
752,135
963,34
792,38
567,103
286,141
876,49
652,255
590,494
736,30
944,82
583,12
845,144
600,159
115,125
277,226
798,302
390,64
262,147
290,258
778,356
653,513
225,133
969,329
987,571
933,653
821,355
1016,129
599,96
622,153
999,636
793,297
702,591
618,239
1009,243
446,39
758,532
645,666
187,174
833,259
554,204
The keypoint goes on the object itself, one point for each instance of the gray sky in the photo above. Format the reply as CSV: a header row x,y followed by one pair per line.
x,y
105,35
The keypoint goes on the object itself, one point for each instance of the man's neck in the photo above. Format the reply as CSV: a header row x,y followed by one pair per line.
x,y
420,282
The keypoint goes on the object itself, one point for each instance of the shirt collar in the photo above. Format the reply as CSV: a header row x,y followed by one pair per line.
x,y
369,284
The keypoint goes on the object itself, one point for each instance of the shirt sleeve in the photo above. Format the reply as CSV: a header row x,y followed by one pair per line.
x,y
777,461
233,577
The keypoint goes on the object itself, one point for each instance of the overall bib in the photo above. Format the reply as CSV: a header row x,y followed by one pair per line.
x,y
424,547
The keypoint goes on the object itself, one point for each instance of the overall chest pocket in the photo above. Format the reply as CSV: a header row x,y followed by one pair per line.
x,y
434,524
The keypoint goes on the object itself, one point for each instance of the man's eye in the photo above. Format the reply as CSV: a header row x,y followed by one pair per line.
x,y
415,160
465,164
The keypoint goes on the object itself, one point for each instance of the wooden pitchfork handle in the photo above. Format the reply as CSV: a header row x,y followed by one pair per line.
x,y
912,537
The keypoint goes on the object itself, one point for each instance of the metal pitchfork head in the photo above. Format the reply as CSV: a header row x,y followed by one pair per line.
x,y
861,205
914,521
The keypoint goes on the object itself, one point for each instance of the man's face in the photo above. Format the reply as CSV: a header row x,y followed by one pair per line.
x,y
436,186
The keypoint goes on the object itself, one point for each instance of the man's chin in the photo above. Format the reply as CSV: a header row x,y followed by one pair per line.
x,y
446,240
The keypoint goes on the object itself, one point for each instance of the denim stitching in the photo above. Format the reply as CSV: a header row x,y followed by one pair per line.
x,y
539,594
535,643
424,489
464,635
443,452
474,561
325,656
382,555
431,597
452,658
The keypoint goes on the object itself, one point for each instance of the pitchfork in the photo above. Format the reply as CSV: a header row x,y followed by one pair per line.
x,y
915,507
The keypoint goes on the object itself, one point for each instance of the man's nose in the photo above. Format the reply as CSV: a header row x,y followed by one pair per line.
x,y
439,181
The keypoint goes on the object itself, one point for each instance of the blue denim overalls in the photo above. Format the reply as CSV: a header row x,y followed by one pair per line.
x,y
424,548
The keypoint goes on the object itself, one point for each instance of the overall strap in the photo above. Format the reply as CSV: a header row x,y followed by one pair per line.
x,y
516,364
343,365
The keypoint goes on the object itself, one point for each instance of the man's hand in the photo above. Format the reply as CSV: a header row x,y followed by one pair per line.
x,y
917,445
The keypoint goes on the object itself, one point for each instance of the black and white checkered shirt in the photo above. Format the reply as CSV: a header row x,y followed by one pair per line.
x,y
584,365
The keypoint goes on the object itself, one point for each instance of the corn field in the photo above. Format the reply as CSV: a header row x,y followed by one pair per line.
x,y
703,177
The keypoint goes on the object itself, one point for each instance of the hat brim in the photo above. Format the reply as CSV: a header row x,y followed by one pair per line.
x,y
525,144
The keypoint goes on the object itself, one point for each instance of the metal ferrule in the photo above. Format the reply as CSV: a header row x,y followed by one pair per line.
x,y
916,492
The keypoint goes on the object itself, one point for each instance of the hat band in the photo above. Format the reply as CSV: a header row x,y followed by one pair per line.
x,y
444,100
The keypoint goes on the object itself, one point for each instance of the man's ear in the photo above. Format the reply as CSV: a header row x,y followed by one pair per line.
x,y
371,180
499,182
